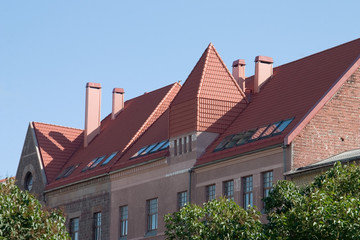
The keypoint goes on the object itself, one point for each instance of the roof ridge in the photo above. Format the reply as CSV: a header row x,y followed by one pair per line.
x,y
49,124
208,49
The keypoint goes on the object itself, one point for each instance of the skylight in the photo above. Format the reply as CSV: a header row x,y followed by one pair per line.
x,y
67,171
109,158
253,135
93,163
155,147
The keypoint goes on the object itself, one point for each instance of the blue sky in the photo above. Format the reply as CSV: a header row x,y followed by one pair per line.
x,y
49,50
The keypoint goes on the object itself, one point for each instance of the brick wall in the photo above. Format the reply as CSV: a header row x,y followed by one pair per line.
x,y
334,129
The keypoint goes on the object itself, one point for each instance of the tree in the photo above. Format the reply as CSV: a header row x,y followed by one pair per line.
x,y
327,208
217,219
23,217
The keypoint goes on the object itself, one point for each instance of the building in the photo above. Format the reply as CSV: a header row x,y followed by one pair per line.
x,y
220,134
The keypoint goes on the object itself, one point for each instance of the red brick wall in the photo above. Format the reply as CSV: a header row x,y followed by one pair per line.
x,y
334,129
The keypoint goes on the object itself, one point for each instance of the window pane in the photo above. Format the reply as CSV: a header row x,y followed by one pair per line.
x,y
74,229
229,189
152,206
182,199
283,125
109,158
248,192
97,226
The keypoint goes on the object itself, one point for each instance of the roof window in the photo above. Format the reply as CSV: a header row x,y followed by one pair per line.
x,y
155,147
93,163
253,135
67,171
109,158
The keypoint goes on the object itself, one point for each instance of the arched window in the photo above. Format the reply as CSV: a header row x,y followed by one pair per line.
x,y
28,181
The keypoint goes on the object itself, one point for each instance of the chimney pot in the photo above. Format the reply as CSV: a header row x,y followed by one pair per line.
x,y
92,112
238,72
117,101
263,71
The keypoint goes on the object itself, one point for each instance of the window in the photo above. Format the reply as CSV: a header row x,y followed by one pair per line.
x,y
155,147
180,146
93,163
123,221
182,199
67,171
185,145
97,226
268,183
190,147
229,189
28,181
74,228
210,192
175,148
248,192
152,214
109,158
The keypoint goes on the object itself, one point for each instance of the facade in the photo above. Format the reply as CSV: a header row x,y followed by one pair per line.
x,y
219,134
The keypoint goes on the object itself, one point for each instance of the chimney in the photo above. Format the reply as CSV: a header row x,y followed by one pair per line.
x,y
238,72
117,101
263,71
92,112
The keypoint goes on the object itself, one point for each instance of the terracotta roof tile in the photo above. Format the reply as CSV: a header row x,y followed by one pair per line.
x,y
292,91
56,145
119,134
209,100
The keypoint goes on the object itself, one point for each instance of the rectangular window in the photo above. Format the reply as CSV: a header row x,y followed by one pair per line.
x,y
229,189
152,214
175,147
185,145
97,226
267,183
123,221
180,146
210,192
190,147
248,192
182,199
74,228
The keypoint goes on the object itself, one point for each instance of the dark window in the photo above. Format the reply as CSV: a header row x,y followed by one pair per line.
x,y
185,145
152,214
248,192
229,189
182,199
74,228
97,226
180,146
210,192
28,181
123,221
175,148
190,147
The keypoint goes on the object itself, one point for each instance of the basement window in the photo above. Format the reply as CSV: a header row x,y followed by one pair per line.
x,y
253,134
109,158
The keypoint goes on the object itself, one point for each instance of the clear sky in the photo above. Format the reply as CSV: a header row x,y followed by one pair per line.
x,y
49,50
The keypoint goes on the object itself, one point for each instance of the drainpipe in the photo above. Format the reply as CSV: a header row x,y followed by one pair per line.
x,y
189,198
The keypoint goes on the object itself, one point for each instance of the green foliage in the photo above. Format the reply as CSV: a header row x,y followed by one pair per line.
x,y
328,208
23,217
218,219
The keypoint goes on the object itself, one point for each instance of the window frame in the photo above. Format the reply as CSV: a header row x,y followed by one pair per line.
x,y
124,221
267,185
152,217
228,189
97,225
74,232
181,199
248,191
212,196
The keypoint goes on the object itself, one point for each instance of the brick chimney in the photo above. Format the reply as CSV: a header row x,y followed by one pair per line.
x,y
263,71
238,72
117,101
92,112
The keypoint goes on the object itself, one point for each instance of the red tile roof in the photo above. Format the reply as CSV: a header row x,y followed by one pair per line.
x,y
118,135
209,100
293,90
56,145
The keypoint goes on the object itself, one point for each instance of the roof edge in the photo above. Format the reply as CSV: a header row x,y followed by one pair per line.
x,y
321,102
38,153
